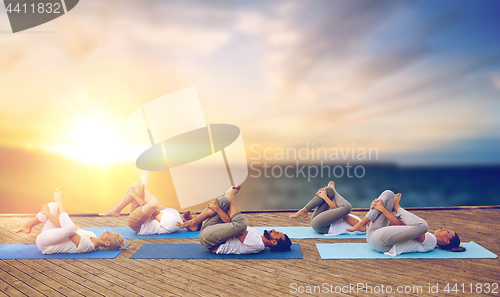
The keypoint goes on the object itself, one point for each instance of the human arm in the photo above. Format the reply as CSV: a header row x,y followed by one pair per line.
x,y
46,212
213,205
322,194
379,205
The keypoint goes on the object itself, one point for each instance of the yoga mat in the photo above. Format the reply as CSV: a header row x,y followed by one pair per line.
x,y
365,251
307,232
197,251
126,232
292,232
30,251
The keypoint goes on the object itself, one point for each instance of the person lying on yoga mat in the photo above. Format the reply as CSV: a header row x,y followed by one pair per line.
x,y
225,231
332,215
147,215
403,232
61,236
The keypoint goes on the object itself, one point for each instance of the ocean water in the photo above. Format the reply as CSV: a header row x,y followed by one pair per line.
x,y
420,186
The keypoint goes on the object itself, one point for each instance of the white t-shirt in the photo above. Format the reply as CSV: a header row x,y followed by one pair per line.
x,y
167,225
251,245
69,247
413,246
340,226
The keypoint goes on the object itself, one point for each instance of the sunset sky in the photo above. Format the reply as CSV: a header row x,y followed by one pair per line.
x,y
418,80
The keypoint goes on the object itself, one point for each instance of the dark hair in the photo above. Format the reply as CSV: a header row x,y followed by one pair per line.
x,y
282,245
454,245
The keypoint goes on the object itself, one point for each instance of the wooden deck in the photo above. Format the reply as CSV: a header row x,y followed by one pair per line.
x,y
127,277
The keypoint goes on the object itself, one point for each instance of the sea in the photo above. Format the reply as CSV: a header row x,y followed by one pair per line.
x,y
286,186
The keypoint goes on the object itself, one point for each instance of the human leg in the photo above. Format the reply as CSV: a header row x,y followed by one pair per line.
x,y
55,235
224,207
126,200
324,216
315,202
37,219
388,199
51,233
224,204
215,232
384,238
377,219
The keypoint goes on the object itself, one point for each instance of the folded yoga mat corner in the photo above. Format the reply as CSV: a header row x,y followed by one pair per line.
x,y
197,251
126,232
292,232
365,251
308,232
30,251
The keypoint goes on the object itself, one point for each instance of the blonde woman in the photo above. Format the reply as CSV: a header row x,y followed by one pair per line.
x,y
61,236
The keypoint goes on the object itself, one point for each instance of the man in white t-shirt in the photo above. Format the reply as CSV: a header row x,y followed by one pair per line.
x,y
147,216
225,231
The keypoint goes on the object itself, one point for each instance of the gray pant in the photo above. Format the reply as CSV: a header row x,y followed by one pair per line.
x,y
381,236
324,216
215,232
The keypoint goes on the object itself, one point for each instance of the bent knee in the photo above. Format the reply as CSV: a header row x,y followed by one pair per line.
x,y
239,222
422,226
348,208
386,195
153,204
138,187
224,203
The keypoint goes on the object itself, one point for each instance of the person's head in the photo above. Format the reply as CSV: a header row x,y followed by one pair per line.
x,y
448,240
111,241
277,241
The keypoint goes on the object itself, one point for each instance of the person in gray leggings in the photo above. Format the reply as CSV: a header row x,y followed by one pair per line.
x,y
330,207
224,229
403,232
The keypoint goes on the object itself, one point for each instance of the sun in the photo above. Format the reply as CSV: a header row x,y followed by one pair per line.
x,y
95,141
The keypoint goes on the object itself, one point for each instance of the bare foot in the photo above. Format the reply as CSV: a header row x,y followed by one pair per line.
x,y
25,228
144,177
58,194
188,225
397,198
332,184
302,212
357,227
232,191
110,213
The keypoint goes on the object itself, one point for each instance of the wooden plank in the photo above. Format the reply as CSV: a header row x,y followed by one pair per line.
x,y
95,277
155,285
19,285
83,268
64,268
8,290
55,287
47,268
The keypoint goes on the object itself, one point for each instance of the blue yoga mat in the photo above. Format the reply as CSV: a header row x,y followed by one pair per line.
x,y
292,232
365,251
126,232
307,232
197,251
30,251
